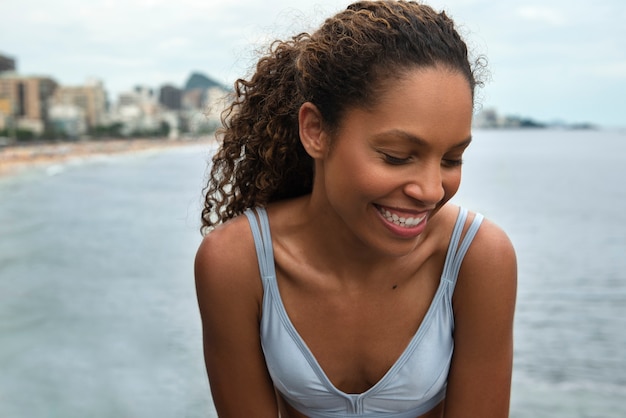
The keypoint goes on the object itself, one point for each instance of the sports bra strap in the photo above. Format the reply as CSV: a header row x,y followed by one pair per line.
x,y
262,240
456,252
454,258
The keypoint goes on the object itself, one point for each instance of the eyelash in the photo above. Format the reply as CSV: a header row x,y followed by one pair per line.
x,y
390,159
452,163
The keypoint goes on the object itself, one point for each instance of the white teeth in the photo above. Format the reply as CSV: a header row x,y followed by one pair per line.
x,y
400,221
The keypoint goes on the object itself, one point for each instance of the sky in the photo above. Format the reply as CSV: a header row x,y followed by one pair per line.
x,y
549,60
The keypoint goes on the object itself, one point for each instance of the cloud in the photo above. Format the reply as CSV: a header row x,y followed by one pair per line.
x,y
549,49
174,43
612,70
541,14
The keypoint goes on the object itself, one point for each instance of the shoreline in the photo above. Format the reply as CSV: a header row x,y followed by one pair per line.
x,y
17,158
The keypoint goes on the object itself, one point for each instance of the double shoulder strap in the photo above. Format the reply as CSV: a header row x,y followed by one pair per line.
x,y
454,256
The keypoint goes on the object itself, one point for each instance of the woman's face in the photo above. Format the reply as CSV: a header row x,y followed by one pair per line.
x,y
393,166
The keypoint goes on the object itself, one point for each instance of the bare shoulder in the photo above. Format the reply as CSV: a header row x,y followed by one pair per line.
x,y
487,281
230,292
226,263
484,303
225,239
491,251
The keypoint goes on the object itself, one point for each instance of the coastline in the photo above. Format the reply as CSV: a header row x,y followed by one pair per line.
x,y
16,158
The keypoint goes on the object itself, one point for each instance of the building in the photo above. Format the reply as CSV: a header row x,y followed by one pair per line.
x,y
68,119
24,101
193,99
90,97
138,111
217,99
6,63
170,97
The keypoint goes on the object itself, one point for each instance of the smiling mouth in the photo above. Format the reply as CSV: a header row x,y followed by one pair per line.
x,y
404,222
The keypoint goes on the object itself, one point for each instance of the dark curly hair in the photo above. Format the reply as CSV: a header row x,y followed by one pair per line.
x,y
345,63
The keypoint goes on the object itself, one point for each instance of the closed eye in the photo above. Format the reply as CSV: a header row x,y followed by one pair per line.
x,y
451,162
390,159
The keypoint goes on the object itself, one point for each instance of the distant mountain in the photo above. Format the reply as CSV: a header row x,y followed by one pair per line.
x,y
201,81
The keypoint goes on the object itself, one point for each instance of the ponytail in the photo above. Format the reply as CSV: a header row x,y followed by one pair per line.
x,y
261,158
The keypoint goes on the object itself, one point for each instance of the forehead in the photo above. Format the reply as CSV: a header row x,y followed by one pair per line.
x,y
431,102
427,90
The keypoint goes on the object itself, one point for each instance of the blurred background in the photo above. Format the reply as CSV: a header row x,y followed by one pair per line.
x,y
554,61
97,304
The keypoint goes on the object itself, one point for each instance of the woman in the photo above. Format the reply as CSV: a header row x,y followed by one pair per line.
x,y
351,287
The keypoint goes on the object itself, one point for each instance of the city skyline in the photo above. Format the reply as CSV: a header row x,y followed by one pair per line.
x,y
554,60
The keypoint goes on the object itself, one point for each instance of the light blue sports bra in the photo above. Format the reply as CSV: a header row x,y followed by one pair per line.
x,y
415,384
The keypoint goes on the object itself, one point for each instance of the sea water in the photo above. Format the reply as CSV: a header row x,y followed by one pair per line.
x,y
560,196
98,315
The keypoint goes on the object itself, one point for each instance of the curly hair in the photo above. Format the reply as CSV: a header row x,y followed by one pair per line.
x,y
344,64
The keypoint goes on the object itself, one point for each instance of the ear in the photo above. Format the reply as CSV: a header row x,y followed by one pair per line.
x,y
312,134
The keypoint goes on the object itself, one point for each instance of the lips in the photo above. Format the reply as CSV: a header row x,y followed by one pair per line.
x,y
401,220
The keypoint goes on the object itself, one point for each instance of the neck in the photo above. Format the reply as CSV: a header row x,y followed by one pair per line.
x,y
338,250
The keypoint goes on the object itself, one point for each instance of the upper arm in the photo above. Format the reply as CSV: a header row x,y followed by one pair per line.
x,y
479,382
229,292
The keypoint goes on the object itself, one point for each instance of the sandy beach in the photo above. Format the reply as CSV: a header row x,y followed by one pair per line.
x,y
14,158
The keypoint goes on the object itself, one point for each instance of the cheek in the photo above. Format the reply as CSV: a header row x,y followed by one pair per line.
x,y
451,182
348,178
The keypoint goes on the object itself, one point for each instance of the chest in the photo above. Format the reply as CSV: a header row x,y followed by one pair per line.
x,y
339,370
356,337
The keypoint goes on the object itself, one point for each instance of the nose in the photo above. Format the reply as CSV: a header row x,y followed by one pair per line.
x,y
426,185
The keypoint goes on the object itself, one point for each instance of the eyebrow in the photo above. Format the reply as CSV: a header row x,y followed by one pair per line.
x,y
417,140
